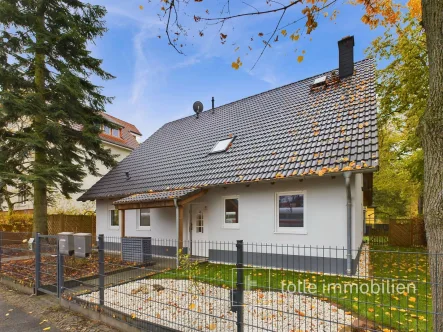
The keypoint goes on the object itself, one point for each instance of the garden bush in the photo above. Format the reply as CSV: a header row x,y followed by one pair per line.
x,y
17,222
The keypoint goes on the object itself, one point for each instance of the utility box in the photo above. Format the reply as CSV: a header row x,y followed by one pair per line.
x,y
82,244
31,244
66,243
137,249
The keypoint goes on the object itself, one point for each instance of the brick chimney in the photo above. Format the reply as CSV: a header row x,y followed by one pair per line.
x,y
346,57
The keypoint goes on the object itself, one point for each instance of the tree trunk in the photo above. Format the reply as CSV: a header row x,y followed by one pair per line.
x,y
40,201
10,205
432,140
40,187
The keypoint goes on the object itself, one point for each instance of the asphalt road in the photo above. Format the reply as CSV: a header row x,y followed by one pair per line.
x,y
13,319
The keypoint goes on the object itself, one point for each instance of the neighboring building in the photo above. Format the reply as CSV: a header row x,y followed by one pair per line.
x,y
121,142
280,167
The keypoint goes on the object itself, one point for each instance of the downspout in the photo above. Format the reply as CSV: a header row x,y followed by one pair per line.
x,y
177,222
347,176
190,229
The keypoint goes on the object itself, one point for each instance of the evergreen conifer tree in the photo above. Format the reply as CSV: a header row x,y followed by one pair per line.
x,y
50,113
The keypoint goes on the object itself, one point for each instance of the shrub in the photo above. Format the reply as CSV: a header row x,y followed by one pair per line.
x,y
17,222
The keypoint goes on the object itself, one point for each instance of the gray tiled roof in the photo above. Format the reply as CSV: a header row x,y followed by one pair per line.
x,y
284,132
157,196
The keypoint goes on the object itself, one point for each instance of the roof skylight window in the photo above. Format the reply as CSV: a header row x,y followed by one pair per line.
x,y
222,145
320,80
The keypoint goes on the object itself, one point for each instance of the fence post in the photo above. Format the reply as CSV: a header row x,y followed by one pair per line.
x,y
37,263
101,268
240,285
60,271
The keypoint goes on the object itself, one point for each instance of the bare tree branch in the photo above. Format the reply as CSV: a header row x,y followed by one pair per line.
x,y
221,19
167,26
247,4
269,40
304,16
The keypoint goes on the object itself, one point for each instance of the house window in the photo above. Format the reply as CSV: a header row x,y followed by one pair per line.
x,y
200,222
291,212
116,132
231,218
144,219
22,197
114,218
222,145
111,131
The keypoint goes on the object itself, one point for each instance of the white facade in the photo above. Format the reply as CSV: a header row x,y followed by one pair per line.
x,y
71,205
324,214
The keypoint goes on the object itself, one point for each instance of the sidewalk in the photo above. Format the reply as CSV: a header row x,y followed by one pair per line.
x,y
14,319
19,312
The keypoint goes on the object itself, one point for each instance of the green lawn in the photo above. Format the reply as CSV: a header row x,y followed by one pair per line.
x,y
403,311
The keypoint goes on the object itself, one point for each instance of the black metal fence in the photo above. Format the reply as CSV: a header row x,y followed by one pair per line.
x,y
157,284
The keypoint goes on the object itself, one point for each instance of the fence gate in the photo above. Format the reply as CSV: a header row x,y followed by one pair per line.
x,y
48,265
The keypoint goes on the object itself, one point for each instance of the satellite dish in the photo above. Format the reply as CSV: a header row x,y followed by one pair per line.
x,y
198,107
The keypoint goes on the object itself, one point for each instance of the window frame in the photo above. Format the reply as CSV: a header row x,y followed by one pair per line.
x,y
107,128
138,218
22,197
230,139
202,227
230,225
110,212
117,131
290,230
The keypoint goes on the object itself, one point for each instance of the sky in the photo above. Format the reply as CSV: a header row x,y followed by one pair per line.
x,y
154,84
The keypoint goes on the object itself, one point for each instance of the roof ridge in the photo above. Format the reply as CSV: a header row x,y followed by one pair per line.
x,y
263,92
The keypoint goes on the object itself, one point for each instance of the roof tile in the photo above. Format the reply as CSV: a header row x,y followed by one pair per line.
x,y
269,128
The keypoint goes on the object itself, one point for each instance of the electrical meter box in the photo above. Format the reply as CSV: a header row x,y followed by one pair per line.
x,y
31,244
66,243
82,244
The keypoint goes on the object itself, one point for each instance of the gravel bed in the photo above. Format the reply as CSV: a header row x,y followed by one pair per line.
x,y
363,263
188,306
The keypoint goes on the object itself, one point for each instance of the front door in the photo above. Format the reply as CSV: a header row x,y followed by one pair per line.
x,y
199,232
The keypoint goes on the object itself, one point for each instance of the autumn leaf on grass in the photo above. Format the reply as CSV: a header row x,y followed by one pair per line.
x,y
412,299
237,64
47,328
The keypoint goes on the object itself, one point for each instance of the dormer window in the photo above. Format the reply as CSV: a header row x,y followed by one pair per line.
x,y
222,145
112,131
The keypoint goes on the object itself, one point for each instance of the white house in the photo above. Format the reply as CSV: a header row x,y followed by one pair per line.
x,y
121,141
291,166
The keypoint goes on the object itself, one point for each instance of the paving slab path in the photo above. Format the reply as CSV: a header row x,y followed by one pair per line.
x,y
14,319
20,312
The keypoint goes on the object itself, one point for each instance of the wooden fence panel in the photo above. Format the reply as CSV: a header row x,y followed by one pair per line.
x,y
58,223
400,234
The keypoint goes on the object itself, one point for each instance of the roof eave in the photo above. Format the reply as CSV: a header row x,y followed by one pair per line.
x,y
294,177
